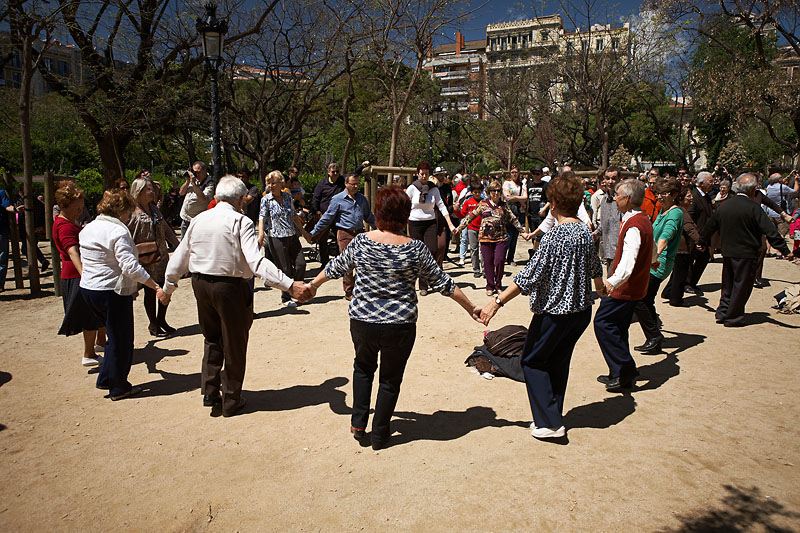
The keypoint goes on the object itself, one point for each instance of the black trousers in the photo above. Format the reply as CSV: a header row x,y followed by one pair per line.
x,y
737,283
677,281
546,355
117,313
287,254
699,262
427,232
225,314
611,323
394,343
646,310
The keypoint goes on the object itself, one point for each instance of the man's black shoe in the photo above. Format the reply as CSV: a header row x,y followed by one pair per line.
x,y
606,379
210,400
620,384
651,345
693,289
236,410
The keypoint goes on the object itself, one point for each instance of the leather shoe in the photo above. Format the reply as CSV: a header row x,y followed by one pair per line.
x,y
210,400
619,384
606,379
379,443
651,345
236,410
693,290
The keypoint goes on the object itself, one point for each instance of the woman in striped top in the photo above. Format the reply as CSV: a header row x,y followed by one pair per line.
x,y
383,311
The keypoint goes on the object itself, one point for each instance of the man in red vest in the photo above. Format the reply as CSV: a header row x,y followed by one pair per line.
x,y
627,283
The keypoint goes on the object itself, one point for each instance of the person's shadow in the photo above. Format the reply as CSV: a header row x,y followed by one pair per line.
x,y
601,415
299,396
5,377
445,425
169,382
760,317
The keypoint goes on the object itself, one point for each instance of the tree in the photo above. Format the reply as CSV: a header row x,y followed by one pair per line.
x,y
738,61
732,155
139,58
621,157
401,33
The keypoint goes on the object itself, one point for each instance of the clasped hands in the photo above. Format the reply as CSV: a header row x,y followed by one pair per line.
x,y
302,291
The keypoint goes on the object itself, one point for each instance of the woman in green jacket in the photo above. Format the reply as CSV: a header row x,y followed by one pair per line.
x,y
667,231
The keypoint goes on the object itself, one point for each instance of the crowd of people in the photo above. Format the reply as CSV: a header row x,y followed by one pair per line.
x,y
645,230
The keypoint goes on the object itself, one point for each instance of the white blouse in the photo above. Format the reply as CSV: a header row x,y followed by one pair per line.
x,y
425,211
107,253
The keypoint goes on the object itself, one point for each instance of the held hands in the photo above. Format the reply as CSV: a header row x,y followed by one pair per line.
x,y
655,264
488,312
607,289
527,236
301,291
162,296
476,314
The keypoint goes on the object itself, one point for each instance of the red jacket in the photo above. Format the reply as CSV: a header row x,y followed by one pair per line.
x,y
468,207
650,205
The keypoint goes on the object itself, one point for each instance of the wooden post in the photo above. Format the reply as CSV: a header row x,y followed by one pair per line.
x,y
55,259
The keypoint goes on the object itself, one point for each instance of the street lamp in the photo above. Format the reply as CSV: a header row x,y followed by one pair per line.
x,y
213,33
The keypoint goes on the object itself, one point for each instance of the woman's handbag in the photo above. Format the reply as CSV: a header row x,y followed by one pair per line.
x,y
148,253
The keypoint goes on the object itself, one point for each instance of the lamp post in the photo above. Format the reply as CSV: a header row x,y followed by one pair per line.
x,y
213,33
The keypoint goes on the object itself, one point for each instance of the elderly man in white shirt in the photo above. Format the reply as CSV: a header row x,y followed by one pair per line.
x,y
221,252
197,192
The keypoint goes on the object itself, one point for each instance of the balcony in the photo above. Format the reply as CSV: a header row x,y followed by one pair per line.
x,y
454,91
457,75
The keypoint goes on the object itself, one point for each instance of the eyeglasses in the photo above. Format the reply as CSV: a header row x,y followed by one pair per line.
x,y
494,190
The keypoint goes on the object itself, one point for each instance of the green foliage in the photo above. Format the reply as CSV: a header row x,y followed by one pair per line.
x,y
91,181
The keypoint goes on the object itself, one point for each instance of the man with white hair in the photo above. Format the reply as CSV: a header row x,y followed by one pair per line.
x,y
700,211
741,223
221,252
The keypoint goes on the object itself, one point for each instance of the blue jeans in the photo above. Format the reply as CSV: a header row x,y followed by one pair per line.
x,y
463,246
3,258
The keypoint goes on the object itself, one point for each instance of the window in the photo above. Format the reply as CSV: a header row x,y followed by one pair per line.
x,y
615,43
545,35
15,60
63,68
475,68
598,45
474,101
49,64
584,46
16,79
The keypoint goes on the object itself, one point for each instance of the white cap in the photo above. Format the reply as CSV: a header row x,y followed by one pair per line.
x,y
439,170
545,169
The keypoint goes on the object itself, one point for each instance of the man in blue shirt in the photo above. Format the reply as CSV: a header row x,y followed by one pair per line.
x,y
7,207
347,211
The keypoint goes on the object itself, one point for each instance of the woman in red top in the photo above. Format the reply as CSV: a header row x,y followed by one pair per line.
x,y
77,316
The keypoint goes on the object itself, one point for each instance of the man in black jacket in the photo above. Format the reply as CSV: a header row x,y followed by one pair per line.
x,y
323,193
741,222
700,211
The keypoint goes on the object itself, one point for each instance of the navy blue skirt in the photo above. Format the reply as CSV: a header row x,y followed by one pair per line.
x,y
78,316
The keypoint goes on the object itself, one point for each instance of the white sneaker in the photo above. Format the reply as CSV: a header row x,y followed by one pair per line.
x,y
98,348
486,375
88,361
462,262
547,433
289,303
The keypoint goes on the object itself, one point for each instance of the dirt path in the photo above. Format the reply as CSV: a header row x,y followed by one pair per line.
x,y
709,437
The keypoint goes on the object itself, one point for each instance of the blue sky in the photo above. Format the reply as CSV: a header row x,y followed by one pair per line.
x,y
508,10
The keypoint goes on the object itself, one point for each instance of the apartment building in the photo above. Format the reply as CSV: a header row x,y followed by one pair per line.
x,y
461,69
62,60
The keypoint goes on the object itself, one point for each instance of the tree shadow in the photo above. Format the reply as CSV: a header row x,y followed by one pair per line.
x,y
445,425
299,396
601,415
5,377
742,509
26,296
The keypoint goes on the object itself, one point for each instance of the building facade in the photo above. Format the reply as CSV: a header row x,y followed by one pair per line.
x,y
461,69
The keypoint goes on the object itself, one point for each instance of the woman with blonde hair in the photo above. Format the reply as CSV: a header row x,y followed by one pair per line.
x,y
151,233
111,274
77,316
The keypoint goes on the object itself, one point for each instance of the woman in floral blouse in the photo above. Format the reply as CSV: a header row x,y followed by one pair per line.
x,y
494,214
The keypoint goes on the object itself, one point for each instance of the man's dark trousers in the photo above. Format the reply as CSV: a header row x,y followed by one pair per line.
x,y
738,275
225,314
611,323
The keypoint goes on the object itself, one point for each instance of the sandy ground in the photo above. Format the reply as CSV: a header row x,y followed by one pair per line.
x,y
708,439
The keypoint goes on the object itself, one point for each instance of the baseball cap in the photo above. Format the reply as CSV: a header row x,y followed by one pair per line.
x,y
439,170
546,170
